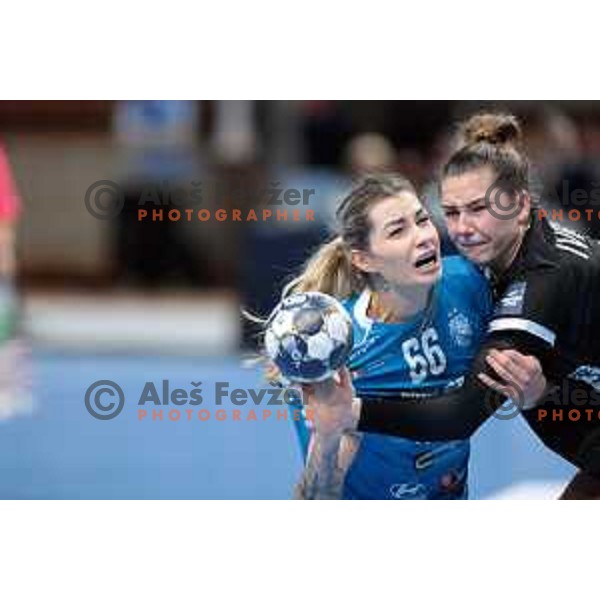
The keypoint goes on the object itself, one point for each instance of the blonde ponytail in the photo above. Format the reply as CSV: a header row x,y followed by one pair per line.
x,y
329,271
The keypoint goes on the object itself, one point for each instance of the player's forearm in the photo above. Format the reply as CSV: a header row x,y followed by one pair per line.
x,y
453,416
322,478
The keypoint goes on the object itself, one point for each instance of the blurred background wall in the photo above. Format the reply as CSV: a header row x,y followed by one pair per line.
x,y
58,149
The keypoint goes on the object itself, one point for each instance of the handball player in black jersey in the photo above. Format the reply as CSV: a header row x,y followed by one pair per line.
x,y
546,286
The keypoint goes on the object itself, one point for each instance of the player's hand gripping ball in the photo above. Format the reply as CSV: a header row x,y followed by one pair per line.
x,y
309,336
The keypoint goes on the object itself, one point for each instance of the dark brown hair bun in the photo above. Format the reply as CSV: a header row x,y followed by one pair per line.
x,y
496,129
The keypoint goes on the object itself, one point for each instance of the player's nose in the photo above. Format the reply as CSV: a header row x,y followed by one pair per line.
x,y
426,236
463,224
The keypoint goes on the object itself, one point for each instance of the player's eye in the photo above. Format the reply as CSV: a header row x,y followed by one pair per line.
x,y
395,232
478,208
450,213
423,219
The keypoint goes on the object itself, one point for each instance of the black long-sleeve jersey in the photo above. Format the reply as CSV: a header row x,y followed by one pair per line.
x,y
547,304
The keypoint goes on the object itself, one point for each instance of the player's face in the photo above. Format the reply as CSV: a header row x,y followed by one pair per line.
x,y
486,231
404,244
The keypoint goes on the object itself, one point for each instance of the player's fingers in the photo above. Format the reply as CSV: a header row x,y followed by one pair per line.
x,y
495,385
512,361
516,372
501,367
514,355
529,380
345,379
272,374
527,364
307,392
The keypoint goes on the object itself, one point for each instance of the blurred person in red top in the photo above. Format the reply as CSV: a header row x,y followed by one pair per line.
x,y
15,382
10,209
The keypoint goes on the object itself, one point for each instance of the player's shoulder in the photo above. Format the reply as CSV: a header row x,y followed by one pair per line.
x,y
459,266
350,302
356,306
458,273
573,249
355,309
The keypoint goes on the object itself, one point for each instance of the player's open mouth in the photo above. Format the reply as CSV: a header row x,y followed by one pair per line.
x,y
428,261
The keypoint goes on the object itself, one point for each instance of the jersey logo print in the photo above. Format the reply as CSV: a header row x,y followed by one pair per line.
x,y
460,329
512,301
588,374
400,491
572,242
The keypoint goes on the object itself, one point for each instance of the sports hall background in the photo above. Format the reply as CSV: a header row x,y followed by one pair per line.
x,y
128,301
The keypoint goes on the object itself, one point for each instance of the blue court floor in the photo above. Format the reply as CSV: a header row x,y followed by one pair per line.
x,y
61,451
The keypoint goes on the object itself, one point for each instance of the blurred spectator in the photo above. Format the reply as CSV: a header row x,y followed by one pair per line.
x,y
370,152
563,176
10,209
235,140
326,131
15,378
158,138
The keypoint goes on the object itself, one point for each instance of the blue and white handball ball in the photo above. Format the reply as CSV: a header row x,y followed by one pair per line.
x,y
309,336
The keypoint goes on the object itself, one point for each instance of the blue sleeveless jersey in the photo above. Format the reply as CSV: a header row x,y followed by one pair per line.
x,y
422,357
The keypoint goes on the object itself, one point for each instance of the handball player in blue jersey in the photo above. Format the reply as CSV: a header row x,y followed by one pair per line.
x,y
418,322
